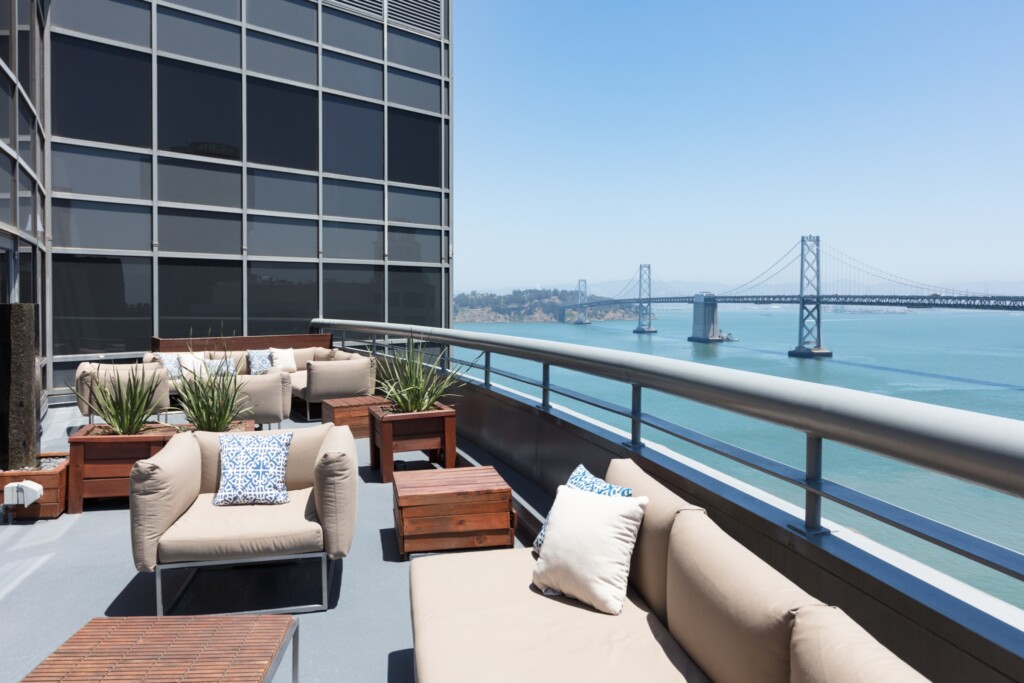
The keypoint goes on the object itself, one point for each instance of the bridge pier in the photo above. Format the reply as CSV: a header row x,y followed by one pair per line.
x,y
705,319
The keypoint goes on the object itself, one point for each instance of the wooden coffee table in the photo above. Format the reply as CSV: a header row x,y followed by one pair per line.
x,y
236,648
465,507
353,412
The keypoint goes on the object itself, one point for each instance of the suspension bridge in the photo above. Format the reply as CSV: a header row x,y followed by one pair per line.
x,y
825,275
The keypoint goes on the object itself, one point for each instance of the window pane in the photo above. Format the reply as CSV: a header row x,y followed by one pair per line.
x,y
26,203
6,104
26,134
414,206
6,190
190,183
225,8
102,303
353,75
282,192
282,297
414,148
24,20
414,90
272,236
414,295
123,20
282,123
192,36
353,200
349,240
353,292
96,171
353,34
296,17
281,58
5,32
200,110
200,298
201,232
353,137
89,103
414,51
414,244
101,226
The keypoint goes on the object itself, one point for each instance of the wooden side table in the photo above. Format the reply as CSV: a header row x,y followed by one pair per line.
x,y
467,507
390,433
237,648
353,412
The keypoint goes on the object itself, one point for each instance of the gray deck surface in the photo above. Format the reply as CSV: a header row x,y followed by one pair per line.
x,y
56,575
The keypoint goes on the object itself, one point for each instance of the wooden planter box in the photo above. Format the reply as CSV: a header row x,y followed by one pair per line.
x,y
390,433
55,489
353,412
102,463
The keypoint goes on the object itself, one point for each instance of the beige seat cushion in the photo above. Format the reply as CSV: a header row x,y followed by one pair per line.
x,y
299,382
209,532
827,645
728,608
476,618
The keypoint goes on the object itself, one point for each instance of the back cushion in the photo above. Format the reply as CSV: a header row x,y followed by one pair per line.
x,y
303,356
728,609
827,645
301,456
648,570
241,359
321,353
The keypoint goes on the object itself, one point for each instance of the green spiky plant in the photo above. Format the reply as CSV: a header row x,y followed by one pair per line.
x,y
125,404
211,401
411,383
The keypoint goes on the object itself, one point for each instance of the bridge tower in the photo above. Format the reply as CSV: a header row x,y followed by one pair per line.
x,y
582,309
808,344
644,315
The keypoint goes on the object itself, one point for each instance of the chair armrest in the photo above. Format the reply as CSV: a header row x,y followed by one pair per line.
x,y
335,479
338,378
270,396
163,487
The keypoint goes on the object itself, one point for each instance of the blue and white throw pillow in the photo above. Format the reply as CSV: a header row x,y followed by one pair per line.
x,y
171,363
221,366
259,362
582,480
252,469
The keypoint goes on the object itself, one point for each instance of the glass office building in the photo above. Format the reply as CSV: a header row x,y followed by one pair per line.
x,y
235,166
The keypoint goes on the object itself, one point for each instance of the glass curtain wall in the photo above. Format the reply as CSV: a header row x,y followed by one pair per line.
x,y
254,164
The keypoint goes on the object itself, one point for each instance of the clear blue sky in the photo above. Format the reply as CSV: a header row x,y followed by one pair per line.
x,y
705,137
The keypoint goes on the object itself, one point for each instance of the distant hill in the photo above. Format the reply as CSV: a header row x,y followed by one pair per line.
x,y
528,305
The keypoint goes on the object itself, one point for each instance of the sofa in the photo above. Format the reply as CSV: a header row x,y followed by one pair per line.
x,y
700,607
175,525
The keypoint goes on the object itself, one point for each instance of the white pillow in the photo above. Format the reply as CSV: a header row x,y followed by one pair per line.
x,y
192,364
283,358
588,546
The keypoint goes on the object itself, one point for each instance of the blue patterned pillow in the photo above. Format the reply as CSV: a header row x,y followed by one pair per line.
x,y
259,362
252,469
582,480
221,366
171,363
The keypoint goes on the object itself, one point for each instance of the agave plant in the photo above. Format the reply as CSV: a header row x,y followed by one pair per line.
x,y
411,383
124,403
212,399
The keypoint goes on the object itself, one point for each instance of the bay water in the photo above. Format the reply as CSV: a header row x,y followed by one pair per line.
x,y
973,360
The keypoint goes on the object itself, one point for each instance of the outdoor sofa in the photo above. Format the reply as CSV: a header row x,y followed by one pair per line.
x,y
700,607
174,523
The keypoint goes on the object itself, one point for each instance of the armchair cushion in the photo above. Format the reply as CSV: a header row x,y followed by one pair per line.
x,y
252,469
162,489
269,395
335,479
283,358
334,379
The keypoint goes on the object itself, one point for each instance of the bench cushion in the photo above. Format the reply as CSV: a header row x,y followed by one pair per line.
x,y
476,617
209,532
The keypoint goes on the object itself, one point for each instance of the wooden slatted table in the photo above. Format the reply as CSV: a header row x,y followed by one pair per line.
x,y
228,648
466,507
353,412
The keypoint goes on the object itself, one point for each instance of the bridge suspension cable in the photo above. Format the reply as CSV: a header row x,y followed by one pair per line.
x,y
846,273
768,273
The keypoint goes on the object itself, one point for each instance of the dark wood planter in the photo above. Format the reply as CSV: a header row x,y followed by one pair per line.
x,y
102,463
54,500
390,433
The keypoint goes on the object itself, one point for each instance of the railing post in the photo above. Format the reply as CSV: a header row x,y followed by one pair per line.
x,y
545,388
342,340
635,418
487,369
812,504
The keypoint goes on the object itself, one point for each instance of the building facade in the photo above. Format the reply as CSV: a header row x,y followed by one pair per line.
x,y
222,166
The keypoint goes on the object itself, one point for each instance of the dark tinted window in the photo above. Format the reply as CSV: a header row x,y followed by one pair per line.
x,y
282,192
414,206
414,295
413,90
126,21
353,34
414,148
6,104
282,125
353,200
353,75
192,36
83,170
6,189
102,303
200,298
353,137
101,226
26,133
192,183
282,297
5,31
349,240
353,292
226,8
200,110
296,17
414,244
282,58
200,232
90,103
415,51
272,236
